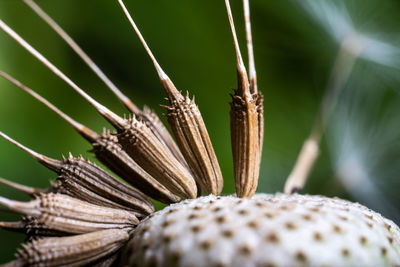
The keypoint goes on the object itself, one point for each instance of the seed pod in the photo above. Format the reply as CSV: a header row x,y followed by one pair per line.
x,y
78,250
92,180
257,95
170,167
141,144
191,134
259,99
109,152
74,189
31,227
245,143
98,181
246,123
148,116
188,127
62,213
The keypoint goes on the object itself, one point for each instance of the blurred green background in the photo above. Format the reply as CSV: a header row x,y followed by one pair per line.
x,y
193,43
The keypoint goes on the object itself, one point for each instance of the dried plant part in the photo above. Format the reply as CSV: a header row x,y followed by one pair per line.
x,y
188,127
253,75
147,115
19,226
107,261
192,136
159,161
109,152
32,227
153,122
31,191
350,49
78,250
246,124
305,161
86,177
64,214
139,142
98,181
207,231
150,118
259,99
265,230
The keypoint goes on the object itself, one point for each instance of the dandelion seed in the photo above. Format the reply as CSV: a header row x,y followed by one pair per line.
x,y
335,18
90,218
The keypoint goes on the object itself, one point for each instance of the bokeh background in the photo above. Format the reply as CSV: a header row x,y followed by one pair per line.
x,y
192,41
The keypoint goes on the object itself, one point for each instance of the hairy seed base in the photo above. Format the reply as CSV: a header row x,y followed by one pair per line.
x,y
266,230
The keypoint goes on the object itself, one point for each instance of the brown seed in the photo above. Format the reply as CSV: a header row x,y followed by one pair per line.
x,y
192,137
84,180
188,127
71,250
109,152
151,154
144,148
147,115
66,215
246,124
95,179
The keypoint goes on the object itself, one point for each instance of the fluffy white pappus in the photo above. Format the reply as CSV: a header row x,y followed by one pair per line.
x,y
363,140
337,19
333,17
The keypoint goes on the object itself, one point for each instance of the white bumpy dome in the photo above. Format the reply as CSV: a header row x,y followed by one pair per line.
x,y
266,230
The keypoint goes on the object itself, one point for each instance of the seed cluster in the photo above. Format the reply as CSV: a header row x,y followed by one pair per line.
x,y
89,217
